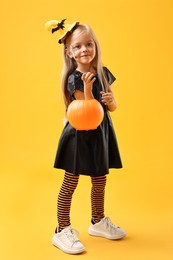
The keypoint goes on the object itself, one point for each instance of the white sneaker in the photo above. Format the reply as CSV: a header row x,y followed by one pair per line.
x,y
67,241
106,229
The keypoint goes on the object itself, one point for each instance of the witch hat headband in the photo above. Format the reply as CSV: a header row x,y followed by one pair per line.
x,y
63,29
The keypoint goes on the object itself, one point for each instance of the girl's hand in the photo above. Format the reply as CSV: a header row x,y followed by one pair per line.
x,y
88,79
107,97
108,100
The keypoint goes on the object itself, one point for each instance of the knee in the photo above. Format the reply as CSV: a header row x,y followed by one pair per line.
x,y
98,183
69,184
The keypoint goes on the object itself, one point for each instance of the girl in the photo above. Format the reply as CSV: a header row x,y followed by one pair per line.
x,y
91,152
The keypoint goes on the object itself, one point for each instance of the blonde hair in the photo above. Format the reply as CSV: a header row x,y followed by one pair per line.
x,y
70,64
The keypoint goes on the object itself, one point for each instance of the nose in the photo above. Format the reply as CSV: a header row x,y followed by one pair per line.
x,y
84,48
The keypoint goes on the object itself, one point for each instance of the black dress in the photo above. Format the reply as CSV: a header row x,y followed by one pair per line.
x,y
90,152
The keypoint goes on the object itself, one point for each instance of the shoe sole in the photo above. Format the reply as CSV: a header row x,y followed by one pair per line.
x,y
59,245
98,234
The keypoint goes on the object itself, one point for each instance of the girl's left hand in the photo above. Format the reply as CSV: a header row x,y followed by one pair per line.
x,y
107,97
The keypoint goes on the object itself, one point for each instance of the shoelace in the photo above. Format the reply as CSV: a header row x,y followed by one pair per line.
x,y
109,224
71,236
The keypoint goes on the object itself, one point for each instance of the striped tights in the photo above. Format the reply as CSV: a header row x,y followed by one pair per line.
x,y
68,187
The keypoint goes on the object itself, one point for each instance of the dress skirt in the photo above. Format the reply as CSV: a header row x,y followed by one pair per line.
x,y
91,152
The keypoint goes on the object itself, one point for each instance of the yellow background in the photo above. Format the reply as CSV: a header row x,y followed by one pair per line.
x,y
136,38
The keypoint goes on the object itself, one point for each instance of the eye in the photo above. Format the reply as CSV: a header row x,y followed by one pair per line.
x,y
90,44
76,47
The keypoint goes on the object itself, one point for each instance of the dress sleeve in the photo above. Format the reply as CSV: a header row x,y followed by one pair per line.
x,y
109,76
74,83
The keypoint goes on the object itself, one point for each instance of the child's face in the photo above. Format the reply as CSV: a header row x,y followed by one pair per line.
x,y
82,48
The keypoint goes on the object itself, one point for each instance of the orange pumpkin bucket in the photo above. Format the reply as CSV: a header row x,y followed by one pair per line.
x,y
85,114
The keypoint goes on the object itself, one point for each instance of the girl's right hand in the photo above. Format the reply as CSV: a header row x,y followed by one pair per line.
x,y
88,79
